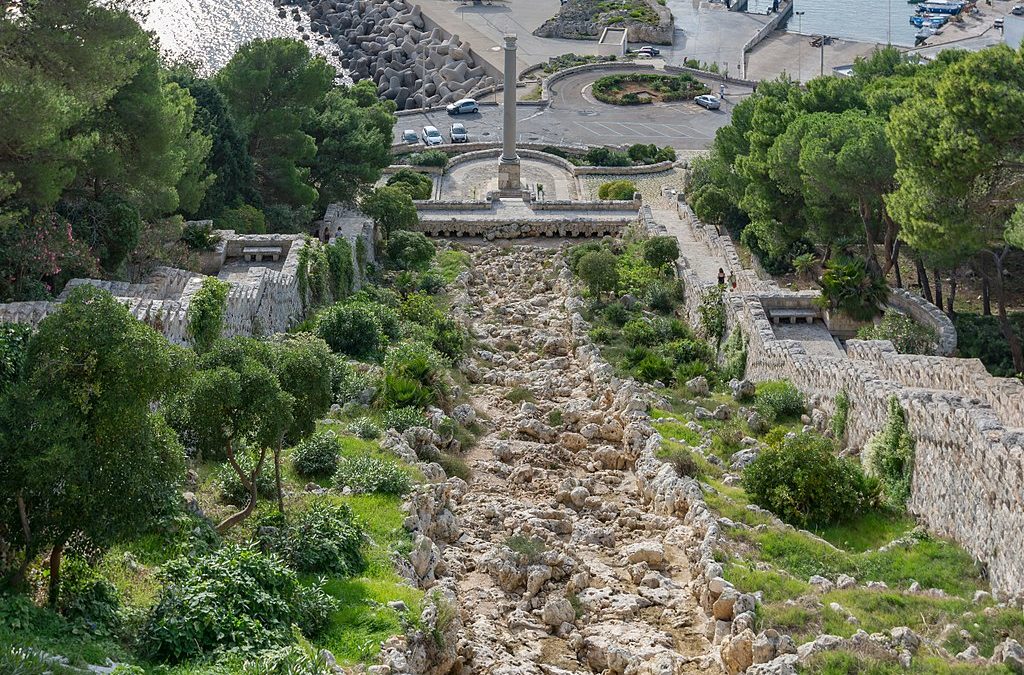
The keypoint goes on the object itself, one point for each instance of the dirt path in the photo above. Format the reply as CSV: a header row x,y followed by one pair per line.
x,y
560,568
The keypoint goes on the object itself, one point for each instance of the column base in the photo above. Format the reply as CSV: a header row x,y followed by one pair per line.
x,y
509,176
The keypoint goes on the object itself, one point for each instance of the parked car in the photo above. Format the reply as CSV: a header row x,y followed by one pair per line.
x,y
410,136
649,50
1018,10
431,136
708,101
998,23
458,133
462,106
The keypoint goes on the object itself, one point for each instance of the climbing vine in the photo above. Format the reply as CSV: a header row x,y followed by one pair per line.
x,y
313,275
712,314
839,419
206,313
342,273
890,456
361,254
734,365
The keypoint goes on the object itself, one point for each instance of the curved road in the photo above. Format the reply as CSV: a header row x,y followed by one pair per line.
x,y
574,116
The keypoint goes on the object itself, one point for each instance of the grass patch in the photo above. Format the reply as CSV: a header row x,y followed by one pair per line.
x,y
847,663
520,394
987,629
671,426
451,263
364,619
774,585
871,530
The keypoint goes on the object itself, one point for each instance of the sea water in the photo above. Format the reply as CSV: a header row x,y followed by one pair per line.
x,y
209,32
877,21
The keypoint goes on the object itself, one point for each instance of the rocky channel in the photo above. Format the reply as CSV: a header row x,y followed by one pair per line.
x,y
388,42
560,566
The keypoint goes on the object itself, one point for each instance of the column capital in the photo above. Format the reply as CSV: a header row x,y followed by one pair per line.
x,y
510,40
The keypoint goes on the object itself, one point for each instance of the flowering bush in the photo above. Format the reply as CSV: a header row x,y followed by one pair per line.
x,y
39,255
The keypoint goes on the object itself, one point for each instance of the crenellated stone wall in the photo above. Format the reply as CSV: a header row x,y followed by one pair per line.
x,y
261,300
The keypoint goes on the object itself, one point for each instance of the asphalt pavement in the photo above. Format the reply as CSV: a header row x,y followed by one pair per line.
x,y
574,116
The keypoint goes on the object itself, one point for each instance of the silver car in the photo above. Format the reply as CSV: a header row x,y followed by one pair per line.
x,y
708,101
459,133
410,136
463,106
431,136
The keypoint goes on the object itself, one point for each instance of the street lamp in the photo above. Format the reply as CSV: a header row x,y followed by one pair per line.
x,y
821,72
800,47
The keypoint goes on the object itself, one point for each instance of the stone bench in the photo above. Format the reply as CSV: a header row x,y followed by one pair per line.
x,y
256,253
793,315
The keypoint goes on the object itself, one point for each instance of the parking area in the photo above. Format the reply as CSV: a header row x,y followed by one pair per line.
x,y
574,116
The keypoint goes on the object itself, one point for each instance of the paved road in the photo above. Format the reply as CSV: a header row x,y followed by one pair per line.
x,y
574,116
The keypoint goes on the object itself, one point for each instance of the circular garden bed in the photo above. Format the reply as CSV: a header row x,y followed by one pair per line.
x,y
640,88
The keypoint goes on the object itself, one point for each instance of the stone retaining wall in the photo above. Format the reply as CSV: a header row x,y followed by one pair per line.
x,y
968,481
924,312
492,228
587,67
601,205
263,301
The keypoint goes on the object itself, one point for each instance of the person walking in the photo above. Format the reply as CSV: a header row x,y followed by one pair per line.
x,y
721,278
721,90
732,280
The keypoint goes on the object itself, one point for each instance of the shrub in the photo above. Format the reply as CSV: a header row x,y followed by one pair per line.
x,y
981,337
597,269
839,419
198,235
312,608
851,288
401,419
230,598
353,329
664,295
800,480
410,250
317,455
454,466
405,392
364,428
889,456
341,270
205,313
654,367
661,251
14,339
735,353
671,329
530,549
600,335
622,190
86,596
520,394
712,313
683,462
605,157
230,486
372,474
323,539
687,371
616,314
245,219
640,332
418,185
777,399
429,158
687,350
906,335
449,338
576,253
804,264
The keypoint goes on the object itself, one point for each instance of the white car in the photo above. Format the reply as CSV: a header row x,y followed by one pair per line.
x,y
459,133
708,101
431,136
410,136
463,106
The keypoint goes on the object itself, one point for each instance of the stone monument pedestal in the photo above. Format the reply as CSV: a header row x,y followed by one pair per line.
x,y
509,177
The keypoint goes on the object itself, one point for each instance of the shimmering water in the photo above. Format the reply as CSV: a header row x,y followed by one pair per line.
x,y
210,31
881,21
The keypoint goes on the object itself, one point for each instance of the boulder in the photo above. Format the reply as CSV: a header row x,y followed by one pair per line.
x,y
558,610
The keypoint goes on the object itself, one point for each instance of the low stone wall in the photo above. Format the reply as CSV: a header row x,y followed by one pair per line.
x,y
451,205
605,205
708,75
639,170
587,67
924,312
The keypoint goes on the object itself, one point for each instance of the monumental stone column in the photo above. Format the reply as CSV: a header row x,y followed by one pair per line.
x,y
508,167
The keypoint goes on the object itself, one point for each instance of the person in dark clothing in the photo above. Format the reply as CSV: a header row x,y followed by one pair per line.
x,y
721,277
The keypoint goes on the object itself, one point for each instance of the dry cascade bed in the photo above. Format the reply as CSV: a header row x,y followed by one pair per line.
x,y
559,567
